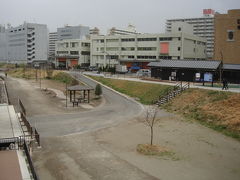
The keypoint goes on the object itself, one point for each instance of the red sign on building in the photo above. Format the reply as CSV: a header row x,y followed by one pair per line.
x,y
208,11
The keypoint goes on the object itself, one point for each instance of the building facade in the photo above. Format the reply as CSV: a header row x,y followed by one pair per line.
x,y
3,44
227,37
72,52
202,26
51,45
72,32
94,31
27,43
128,31
140,49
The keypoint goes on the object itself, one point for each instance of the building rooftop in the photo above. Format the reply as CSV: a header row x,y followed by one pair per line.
x,y
231,66
9,123
189,64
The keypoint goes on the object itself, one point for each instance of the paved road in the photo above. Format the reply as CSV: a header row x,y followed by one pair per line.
x,y
115,110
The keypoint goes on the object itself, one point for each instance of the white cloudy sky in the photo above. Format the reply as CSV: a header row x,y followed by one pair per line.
x,y
147,15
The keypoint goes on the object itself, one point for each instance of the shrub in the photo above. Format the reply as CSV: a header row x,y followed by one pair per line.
x,y
98,90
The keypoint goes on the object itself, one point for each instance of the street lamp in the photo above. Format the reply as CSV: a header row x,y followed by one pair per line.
x,y
108,55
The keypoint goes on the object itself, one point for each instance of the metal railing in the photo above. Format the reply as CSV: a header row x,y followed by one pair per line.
x,y
22,108
34,174
177,89
11,143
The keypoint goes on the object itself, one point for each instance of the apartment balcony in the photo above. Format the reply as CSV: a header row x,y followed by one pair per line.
x,y
69,56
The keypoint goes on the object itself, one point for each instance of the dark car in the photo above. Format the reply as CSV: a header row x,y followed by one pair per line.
x,y
92,68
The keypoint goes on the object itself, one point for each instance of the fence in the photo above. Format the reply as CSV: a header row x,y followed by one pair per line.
x,y
12,143
179,88
27,124
22,108
34,174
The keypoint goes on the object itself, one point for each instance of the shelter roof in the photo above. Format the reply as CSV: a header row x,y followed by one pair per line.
x,y
189,64
79,88
231,66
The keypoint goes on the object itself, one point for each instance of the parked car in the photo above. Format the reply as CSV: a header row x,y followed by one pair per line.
x,y
92,68
144,73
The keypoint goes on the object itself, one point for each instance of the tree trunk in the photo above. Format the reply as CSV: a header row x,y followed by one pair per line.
x,y
151,136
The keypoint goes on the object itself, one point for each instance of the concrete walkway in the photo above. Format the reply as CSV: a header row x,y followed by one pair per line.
x,y
192,85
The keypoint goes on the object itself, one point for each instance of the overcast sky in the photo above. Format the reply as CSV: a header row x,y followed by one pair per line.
x,y
147,15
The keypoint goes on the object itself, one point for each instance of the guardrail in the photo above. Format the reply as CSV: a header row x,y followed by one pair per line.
x,y
22,108
179,88
27,124
12,143
34,174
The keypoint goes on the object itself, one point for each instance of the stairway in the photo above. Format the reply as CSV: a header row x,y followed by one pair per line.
x,y
177,89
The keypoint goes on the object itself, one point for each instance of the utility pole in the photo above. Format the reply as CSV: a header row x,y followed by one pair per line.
x,y
66,94
40,78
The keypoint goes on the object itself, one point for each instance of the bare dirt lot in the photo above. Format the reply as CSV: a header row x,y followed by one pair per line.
x,y
110,153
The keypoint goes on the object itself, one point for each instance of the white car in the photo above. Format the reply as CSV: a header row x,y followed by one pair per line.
x,y
144,72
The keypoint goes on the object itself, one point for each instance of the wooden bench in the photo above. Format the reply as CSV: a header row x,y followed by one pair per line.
x,y
75,103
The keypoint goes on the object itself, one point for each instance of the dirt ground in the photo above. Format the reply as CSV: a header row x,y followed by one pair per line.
x,y
110,153
34,98
198,153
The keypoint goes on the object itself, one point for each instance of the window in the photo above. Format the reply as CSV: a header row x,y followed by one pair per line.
x,y
112,40
112,49
147,39
146,48
131,57
74,52
230,35
146,57
127,48
179,48
85,53
128,39
238,21
179,39
165,39
62,52
179,29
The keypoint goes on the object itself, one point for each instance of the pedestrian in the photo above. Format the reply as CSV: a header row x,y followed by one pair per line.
x,y
5,74
225,84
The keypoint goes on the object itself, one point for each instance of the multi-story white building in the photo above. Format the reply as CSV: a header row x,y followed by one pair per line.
x,y
140,49
72,52
202,26
94,31
129,30
3,44
51,45
27,43
72,32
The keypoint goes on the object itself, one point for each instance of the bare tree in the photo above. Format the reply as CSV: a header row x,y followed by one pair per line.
x,y
150,119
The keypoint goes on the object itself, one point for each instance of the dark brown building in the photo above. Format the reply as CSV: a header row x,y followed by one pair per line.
x,y
227,37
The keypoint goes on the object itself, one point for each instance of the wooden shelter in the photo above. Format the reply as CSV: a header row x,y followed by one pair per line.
x,y
84,95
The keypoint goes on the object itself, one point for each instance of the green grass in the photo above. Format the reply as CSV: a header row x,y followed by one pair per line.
x,y
65,78
146,93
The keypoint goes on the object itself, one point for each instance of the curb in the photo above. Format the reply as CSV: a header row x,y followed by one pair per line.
x,y
121,94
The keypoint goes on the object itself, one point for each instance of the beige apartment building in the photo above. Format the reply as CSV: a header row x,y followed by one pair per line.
x,y
139,49
72,52
227,37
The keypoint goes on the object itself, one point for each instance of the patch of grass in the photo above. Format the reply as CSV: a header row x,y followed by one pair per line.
x,y
65,78
214,109
156,150
146,93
